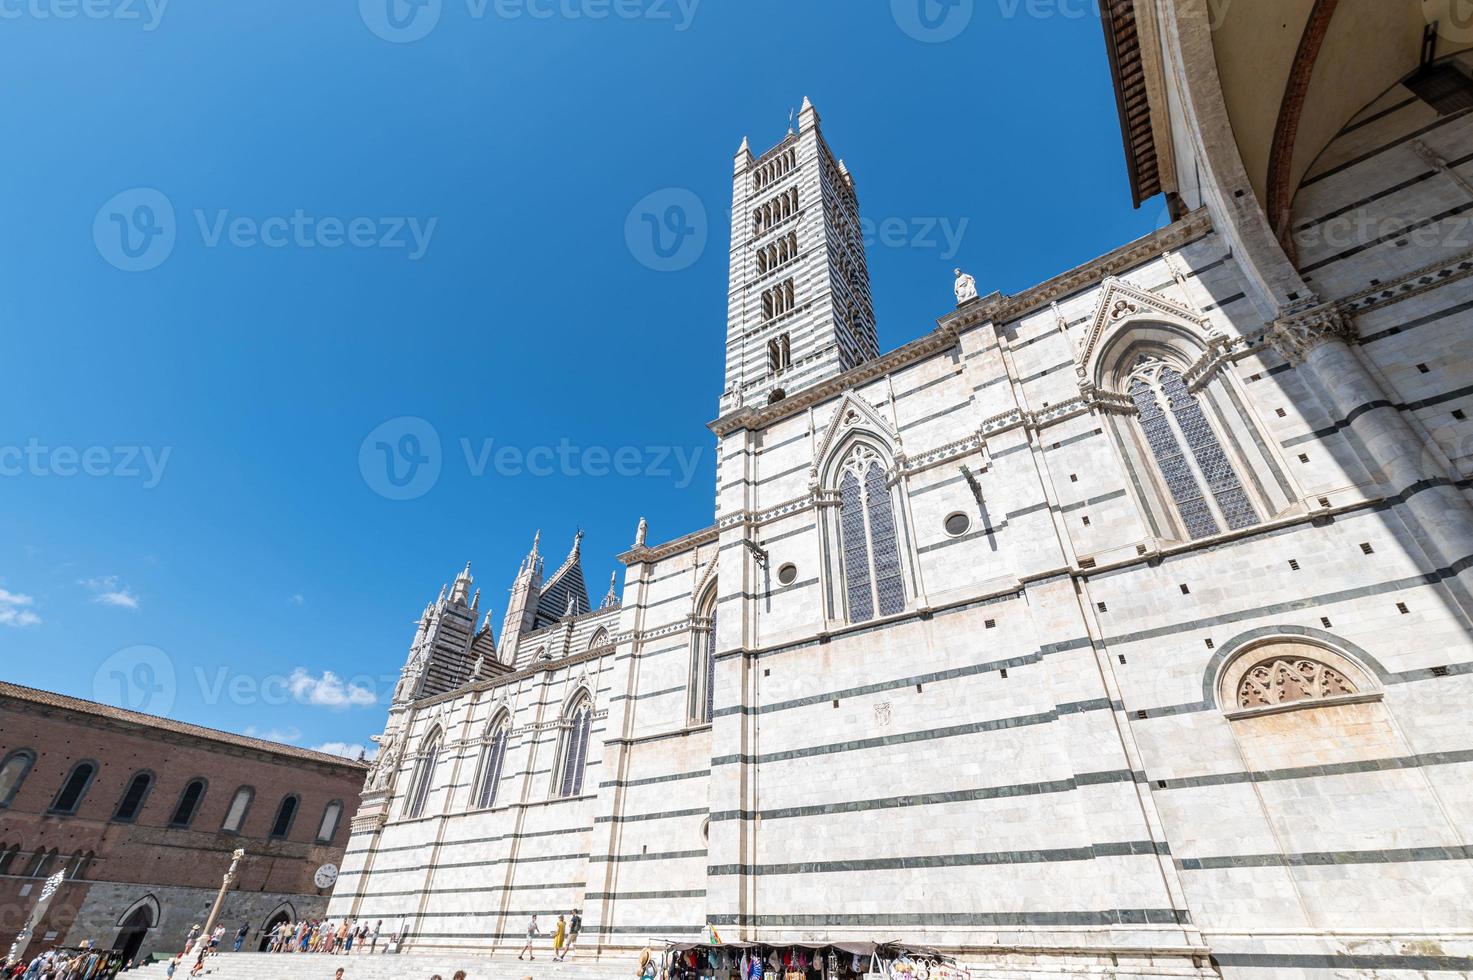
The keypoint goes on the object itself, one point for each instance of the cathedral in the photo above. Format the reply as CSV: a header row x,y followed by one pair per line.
x,y
1113,628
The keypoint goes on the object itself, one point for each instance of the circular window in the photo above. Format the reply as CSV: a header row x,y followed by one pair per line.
x,y
957,524
788,574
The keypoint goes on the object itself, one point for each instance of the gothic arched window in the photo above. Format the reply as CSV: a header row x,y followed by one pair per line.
x,y
869,546
424,774
1187,452
492,762
332,815
76,785
573,753
133,796
240,805
13,772
702,684
188,806
286,815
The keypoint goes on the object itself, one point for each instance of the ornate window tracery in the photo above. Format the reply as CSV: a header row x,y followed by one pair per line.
x,y
424,775
573,755
1284,680
1187,452
703,661
869,543
492,764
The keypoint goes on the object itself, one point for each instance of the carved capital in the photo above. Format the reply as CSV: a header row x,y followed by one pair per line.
x,y
1300,331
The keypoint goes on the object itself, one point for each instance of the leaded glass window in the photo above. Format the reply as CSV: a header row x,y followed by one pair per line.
x,y
493,759
711,668
1156,387
424,775
575,748
871,551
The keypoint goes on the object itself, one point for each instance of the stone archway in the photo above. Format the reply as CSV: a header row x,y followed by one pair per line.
x,y
133,929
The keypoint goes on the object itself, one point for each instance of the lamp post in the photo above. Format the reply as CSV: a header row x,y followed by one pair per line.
x,y
225,884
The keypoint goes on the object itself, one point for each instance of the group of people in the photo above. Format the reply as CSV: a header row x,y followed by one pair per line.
x,y
325,936
86,963
564,936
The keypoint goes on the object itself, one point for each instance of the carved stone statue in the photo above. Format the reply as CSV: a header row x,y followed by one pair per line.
x,y
384,764
640,533
966,287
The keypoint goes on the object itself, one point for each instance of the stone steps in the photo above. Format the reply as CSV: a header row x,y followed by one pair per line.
x,y
409,966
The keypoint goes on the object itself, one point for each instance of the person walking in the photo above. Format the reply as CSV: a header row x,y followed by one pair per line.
x,y
559,933
575,926
378,927
532,933
241,934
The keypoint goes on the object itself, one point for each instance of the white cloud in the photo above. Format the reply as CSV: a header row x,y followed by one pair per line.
x,y
329,690
288,735
106,591
296,599
14,611
348,750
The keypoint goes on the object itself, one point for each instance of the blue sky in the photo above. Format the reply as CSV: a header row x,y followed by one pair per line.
x,y
332,225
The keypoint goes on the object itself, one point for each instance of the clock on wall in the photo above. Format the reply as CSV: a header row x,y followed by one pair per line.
x,y
326,876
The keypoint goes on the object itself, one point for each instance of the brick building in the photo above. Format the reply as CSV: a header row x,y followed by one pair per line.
x,y
142,813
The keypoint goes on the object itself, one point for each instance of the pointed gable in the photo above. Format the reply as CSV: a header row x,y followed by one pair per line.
x,y
565,592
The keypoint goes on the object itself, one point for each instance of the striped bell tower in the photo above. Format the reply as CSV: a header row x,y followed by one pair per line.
x,y
798,305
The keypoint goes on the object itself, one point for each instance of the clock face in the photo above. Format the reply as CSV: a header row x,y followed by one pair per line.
x,y
326,876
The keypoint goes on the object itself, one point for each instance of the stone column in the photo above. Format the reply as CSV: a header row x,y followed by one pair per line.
x,y
1317,340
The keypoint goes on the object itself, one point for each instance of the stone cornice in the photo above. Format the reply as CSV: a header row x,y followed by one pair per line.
x,y
659,552
1123,259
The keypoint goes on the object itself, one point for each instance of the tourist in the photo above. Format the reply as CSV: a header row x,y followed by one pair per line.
x,y
338,975
240,935
459,975
344,931
575,926
378,927
559,933
532,933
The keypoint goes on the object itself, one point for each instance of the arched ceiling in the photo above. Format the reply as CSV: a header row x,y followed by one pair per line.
x,y
1339,55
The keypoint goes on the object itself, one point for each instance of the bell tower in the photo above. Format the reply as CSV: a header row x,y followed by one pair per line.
x,y
798,303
